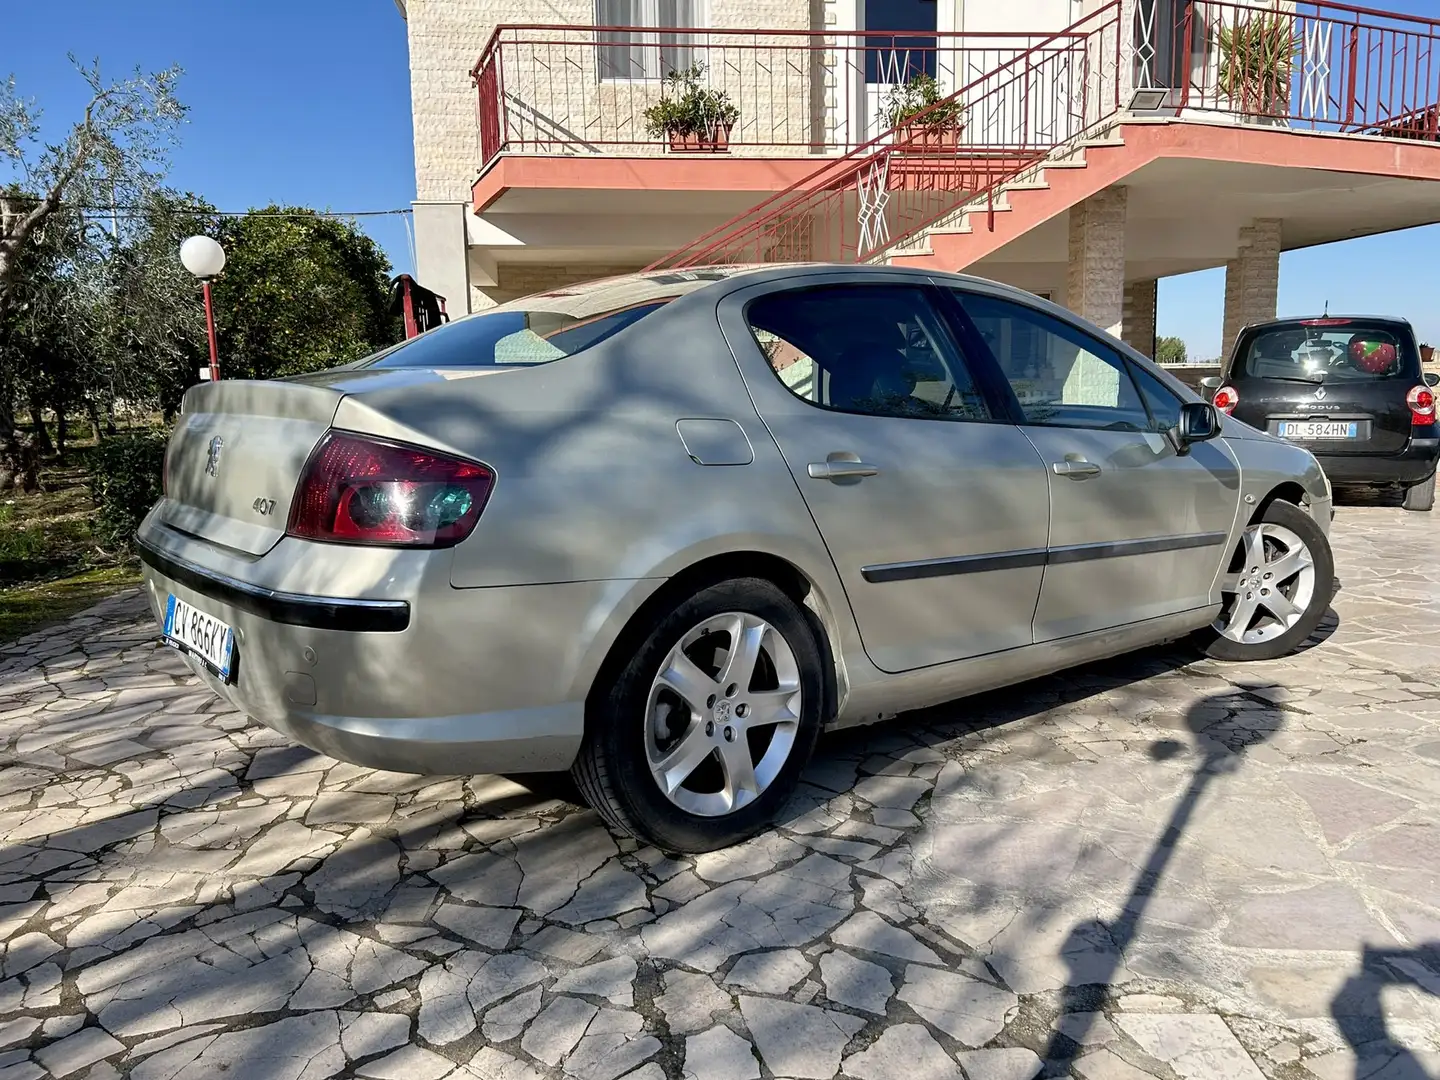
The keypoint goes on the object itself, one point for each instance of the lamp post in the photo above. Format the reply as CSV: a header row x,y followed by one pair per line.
x,y
205,258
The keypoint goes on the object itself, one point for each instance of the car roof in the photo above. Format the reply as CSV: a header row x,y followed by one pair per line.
x,y
653,284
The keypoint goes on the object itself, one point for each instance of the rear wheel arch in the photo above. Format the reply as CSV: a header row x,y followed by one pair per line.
x,y
782,573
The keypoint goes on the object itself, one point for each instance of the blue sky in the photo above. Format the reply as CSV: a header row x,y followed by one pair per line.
x,y
308,102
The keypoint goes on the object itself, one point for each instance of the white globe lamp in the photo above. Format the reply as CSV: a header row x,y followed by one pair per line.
x,y
202,256
205,258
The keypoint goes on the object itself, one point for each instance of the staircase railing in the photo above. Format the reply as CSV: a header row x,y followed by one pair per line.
x,y
858,206
1312,66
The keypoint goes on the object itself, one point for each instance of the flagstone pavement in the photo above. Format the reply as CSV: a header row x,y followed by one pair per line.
x,y
1156,867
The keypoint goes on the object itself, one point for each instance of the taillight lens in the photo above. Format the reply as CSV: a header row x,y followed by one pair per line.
x,y
360,490
1421,400
1225,399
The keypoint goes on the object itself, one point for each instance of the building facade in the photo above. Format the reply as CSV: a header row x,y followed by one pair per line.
x,y
1076,148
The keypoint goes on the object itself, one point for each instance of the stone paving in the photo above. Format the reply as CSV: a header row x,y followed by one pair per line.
x,y
1157,867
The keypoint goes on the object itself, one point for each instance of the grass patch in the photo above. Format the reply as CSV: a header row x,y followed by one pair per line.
x,y
25,609
51,565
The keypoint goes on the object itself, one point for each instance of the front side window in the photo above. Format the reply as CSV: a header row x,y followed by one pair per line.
x,y
1163,404
1061,376
1325,350
879,350
644,50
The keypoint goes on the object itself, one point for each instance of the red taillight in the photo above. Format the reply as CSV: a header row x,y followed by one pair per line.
x,y
1421,400
1225,399
359,490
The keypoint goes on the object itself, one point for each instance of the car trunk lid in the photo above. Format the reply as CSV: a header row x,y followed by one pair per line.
x,y
235,457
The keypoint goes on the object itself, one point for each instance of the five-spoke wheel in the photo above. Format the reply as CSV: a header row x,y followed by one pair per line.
x,y
1276,589
701,738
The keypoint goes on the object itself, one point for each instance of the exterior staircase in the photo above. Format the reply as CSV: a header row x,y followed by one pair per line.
x,y
1048,128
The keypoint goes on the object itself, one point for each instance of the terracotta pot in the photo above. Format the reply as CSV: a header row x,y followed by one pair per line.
x,y
1427,354
920,137
716,142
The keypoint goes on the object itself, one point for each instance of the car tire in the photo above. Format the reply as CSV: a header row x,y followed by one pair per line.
x,y
1420,496
1278,586
680,697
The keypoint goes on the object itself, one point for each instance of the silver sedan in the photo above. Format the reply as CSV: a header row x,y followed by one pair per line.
x,y
662,530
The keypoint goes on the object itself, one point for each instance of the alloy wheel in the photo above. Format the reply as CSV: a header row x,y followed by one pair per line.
x,y
1270,588
722,714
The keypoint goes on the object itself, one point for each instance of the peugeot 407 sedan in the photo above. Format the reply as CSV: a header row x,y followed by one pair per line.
x,y
662,530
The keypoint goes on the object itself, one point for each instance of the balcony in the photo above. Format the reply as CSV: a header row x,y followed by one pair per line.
x,y
583,91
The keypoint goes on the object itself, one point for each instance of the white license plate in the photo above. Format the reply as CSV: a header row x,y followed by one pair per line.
x,y
192,631
1319,429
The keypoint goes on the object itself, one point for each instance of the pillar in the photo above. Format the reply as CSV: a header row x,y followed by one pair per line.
x,y
441,259
1138,329
1252,280
1095,275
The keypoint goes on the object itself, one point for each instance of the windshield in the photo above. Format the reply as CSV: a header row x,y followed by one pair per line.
x,y
1326,351
511,338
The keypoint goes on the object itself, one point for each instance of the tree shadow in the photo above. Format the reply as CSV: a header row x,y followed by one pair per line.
x,y
1359,1014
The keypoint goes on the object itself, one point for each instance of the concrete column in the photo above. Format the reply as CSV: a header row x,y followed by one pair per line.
x,y
441,261
1252,280
1139,315
1095,276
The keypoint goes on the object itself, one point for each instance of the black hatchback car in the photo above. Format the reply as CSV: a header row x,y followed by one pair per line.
x,y
1350,390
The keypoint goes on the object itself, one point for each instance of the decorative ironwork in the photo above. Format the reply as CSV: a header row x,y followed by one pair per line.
x,y
874,196
1315,72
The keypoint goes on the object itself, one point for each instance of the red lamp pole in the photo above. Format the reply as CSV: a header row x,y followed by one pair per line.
x,y
210,328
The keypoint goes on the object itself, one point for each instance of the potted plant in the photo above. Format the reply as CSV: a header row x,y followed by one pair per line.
x,y
694,118
1256,61
1427,353
922,115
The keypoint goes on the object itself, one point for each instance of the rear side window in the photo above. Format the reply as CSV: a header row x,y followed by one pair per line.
x,y
1328,350
511,338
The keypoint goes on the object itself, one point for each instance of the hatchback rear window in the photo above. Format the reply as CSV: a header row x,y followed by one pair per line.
x,y
1328,350
512,337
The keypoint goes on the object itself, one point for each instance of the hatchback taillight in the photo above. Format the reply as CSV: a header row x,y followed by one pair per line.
x,y
1421,400
359,490
1225,399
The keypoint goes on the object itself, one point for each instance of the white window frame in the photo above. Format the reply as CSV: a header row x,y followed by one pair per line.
x,y
648,17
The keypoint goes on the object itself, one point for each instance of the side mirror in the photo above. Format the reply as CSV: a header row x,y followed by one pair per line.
x,y
1199,422
1432,379
1214,382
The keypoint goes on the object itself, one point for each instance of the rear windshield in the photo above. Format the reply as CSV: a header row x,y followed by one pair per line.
x,y
511,337
1324,351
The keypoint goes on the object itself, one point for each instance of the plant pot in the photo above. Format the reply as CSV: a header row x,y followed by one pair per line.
x,y
694,142
913,137
1427,354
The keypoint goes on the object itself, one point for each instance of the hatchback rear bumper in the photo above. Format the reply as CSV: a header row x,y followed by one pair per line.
x,y
1410,466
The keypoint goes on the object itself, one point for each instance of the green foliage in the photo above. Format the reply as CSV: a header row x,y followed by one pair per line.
x,y
908,100
299,293
1256,59
1170,350
687,108
125,482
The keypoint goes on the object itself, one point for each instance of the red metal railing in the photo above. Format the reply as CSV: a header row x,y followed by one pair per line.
x,y
585,89
907,178
1323,67
1318,67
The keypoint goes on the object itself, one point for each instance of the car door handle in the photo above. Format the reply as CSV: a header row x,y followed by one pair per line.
x,y
840,469
1076,470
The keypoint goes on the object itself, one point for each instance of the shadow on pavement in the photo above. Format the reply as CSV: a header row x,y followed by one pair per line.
x,y
1360,1016
1223,747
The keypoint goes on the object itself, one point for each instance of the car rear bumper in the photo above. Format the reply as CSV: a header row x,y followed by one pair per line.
x,y
455,682
1410,466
